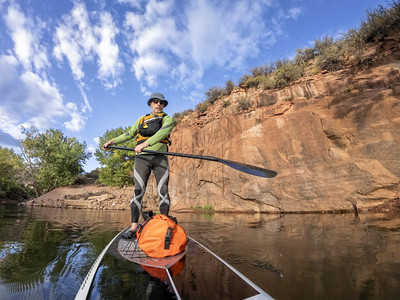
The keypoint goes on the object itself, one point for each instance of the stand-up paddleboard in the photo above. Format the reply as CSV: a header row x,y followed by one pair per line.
x,y
196,273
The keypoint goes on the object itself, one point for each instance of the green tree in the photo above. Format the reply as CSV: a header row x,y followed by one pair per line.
x,y
53,160
11,169
118,164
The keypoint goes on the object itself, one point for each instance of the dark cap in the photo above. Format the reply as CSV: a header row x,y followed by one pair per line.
x,y
157,96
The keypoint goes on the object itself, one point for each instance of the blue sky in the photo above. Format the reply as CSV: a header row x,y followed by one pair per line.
x,y
88,66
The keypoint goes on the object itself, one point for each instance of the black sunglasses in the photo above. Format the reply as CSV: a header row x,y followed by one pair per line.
x,y
158,101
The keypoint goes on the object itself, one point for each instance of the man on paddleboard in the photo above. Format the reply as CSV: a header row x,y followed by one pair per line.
x,y
152,132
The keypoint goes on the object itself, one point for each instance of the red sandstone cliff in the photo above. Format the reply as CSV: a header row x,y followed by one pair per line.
x,y
333,138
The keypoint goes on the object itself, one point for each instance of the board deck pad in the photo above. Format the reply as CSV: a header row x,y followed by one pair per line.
x,y
130,250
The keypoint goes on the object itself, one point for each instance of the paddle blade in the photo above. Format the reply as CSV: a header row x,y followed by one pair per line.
x,y
252,170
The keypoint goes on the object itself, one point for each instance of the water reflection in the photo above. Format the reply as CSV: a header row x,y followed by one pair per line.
x,y
45,253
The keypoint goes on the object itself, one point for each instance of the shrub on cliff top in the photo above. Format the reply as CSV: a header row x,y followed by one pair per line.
x,y
202,107
286,72
213,94
243,103
380,22
179,116
330,59
229,86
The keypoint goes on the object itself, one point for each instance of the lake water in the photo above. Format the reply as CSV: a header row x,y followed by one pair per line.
x,y
45,253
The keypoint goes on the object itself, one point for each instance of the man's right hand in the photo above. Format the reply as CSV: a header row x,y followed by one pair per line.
x,y
109,143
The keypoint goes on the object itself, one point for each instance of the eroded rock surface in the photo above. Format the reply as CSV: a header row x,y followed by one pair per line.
x,y
333,138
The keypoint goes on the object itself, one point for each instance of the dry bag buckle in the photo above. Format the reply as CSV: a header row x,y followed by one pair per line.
x,y
168,237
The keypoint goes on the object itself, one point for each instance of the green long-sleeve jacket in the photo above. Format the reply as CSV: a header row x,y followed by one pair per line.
x,y
154,140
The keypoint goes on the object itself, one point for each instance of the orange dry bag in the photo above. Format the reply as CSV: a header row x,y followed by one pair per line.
x,y
161,236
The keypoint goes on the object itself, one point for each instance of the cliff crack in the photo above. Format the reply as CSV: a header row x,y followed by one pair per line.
x,y
258,202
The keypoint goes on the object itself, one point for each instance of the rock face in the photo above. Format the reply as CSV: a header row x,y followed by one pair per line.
x,y
333,138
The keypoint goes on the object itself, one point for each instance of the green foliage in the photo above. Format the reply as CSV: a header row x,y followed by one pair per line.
x,y
304,55
282,74
254,81
380,22
179,116
229,86
202,107
243,79
286,72
11,168
213,94
53,160
226,103
117,164
320,46
261,71
268,83
208,207
243,103
353,43
331,58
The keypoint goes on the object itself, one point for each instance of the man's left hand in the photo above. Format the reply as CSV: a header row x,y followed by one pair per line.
x,y
141,146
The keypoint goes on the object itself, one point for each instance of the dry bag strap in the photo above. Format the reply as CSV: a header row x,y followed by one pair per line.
x,y
168,237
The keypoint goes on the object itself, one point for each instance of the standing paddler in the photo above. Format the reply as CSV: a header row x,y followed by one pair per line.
x,y
152,132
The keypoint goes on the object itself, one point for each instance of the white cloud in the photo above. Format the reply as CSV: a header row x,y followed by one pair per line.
x,y
77,121
282,16
8,124
153,42
173,42
28,97
294,12
41,99
133,3
80,42
195,97
29,100
74,39
108,52
179,43
26,37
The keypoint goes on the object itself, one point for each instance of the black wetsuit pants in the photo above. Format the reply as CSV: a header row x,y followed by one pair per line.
x,y
144,164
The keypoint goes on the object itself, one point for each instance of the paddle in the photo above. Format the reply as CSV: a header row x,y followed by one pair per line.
x,y
249,169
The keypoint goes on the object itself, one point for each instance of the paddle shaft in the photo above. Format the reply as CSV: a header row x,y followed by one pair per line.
x,y
203,157
249,169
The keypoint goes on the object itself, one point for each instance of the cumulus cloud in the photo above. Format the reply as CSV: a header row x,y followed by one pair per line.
x,y
108,52
173,42
133,3
79,41
77,120
28,96
29,100
26,35
74,39
180,45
